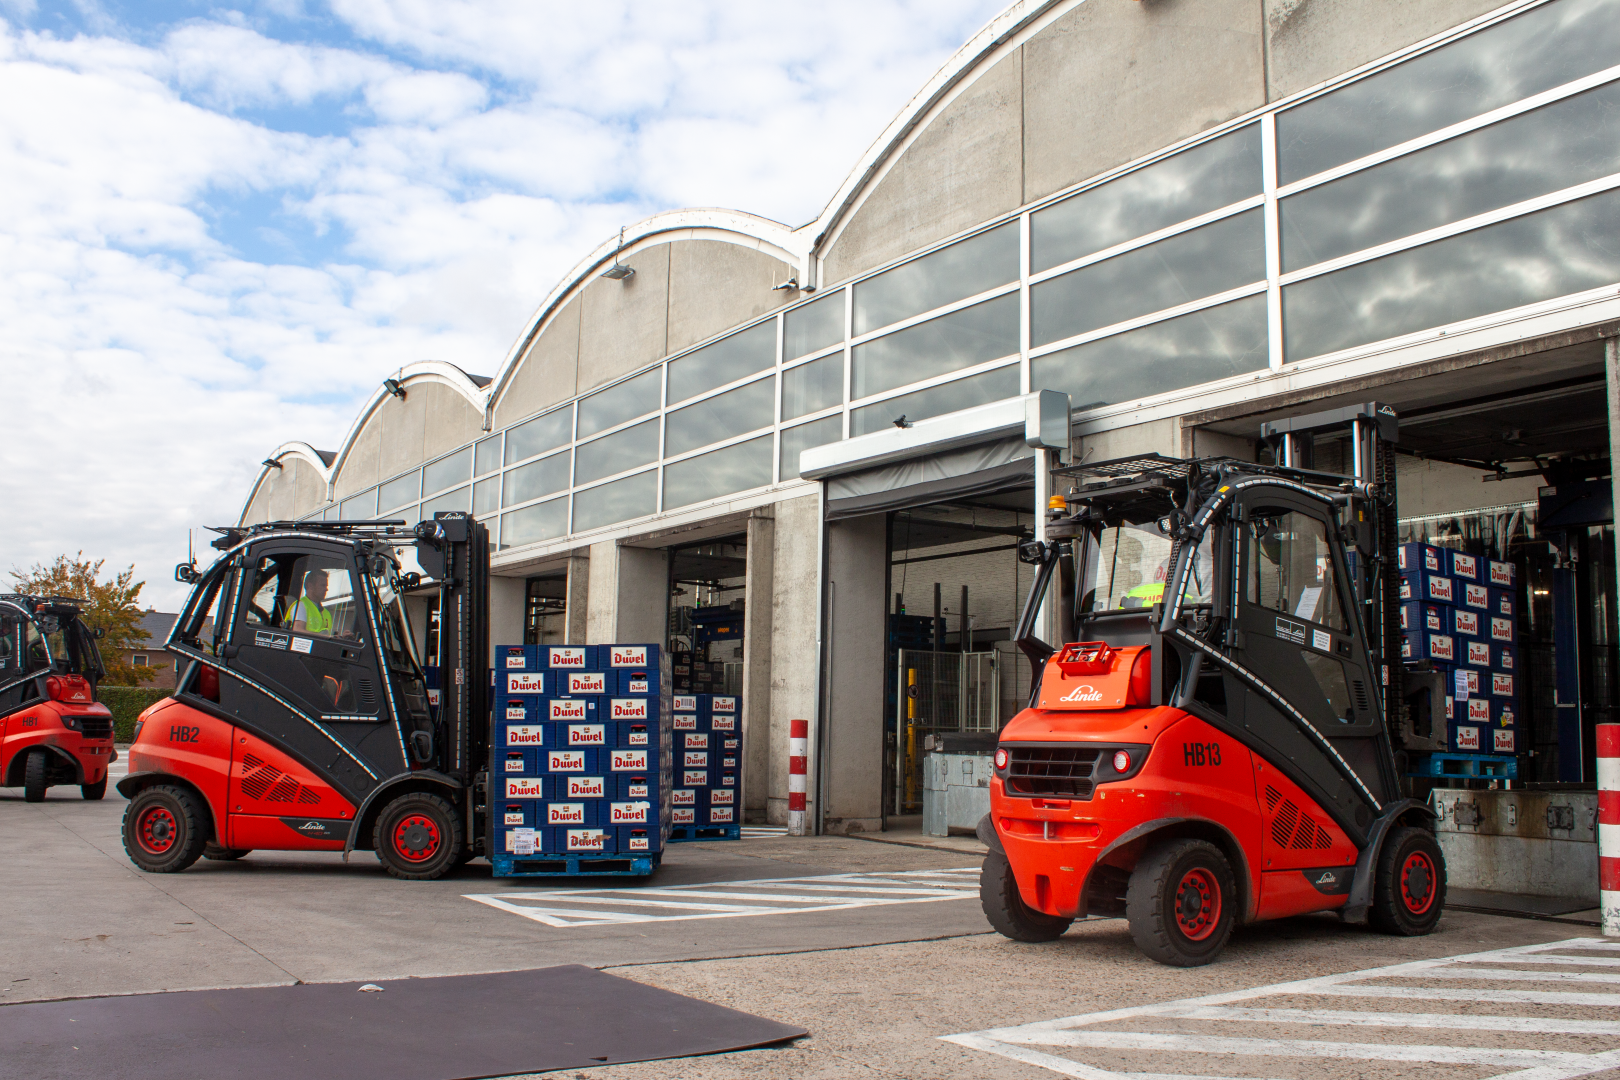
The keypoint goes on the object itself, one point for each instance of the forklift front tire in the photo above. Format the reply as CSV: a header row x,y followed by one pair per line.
x,y
418,837
1410,889
165,829
94,792
1182,903
1005,908
34,776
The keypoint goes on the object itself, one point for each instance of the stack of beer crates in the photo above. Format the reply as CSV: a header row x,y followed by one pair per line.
x,y
1459,612
580,756
706,802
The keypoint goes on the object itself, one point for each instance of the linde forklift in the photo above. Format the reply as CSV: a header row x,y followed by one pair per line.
x,y
1216,741
52,730
302,722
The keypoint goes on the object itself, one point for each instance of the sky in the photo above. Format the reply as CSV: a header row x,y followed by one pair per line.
x,y
222,227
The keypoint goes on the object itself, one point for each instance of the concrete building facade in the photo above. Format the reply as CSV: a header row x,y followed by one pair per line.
x,y
1187,215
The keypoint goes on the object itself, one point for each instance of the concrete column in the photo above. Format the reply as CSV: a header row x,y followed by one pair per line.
x,y
794,665
756,680
852,744
576,596
628,595
507,599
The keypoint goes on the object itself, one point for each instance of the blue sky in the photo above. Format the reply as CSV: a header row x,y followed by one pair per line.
x,y
221,227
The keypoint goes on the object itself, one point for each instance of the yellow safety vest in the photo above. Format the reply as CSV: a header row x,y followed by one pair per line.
x,y
316,619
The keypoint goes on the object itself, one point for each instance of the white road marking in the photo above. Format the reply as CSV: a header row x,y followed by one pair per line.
x,y
774,896
1080,1033
763,832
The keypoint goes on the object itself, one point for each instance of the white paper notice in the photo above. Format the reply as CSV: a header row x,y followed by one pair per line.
x,y
302,644
1309,600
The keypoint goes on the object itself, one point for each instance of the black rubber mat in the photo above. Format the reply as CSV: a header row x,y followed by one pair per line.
x,y
449,1028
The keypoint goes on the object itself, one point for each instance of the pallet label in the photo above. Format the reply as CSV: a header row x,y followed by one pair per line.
x,y
696,740
627,655
629,761
525,735
564,709
685,722
587,734
521,841
525,787
525,682
566,656
629,708
565,813
688,703
629,813
565,761
587,787
587,682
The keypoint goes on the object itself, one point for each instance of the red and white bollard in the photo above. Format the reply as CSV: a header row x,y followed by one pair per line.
x,y
1608,830
798,759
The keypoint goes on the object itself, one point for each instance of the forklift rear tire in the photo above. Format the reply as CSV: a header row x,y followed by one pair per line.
x,y
93,792
1409,892
165,829
1181,903
1005,908
418,837
34,776
224,854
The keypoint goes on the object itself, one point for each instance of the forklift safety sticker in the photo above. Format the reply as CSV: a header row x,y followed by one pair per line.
x,y
525,735
1289,630
682,796
696,740
685,704
524,787
1321,639
629,813
723,705
565,813
302,644
517,711
629,760
587,734
587,682
629,708
685,723
628,655
568,656
525,682
723,723
567,710
587,787
566,761
269,639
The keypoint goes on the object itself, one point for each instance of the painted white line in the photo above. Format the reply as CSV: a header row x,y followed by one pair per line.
x,y
1356,1018
1523,997
1213,1044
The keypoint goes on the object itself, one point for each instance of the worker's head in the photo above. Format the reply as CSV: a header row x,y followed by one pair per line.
x,y
315,585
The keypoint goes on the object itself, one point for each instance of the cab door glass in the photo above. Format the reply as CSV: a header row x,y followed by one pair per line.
x,y
302,626
1291,569
10,645
36,654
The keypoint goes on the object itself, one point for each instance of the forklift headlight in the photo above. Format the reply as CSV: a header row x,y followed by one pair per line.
x,y
1001,758
1122,761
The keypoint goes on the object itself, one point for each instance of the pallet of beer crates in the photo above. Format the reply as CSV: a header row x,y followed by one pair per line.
x,y
581,751
705,803
1459,612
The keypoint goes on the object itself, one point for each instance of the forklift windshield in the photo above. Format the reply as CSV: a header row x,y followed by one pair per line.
x,y
397,647
1127,567
64,644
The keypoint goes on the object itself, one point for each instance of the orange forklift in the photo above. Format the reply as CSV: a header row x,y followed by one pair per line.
x,y
52,730
1212,745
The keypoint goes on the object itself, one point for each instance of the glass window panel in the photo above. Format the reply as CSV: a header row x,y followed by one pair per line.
x,y
536,479
450,500
921,404
1543,48
816,385
617,452
532,524
447,471
796,440
488,457
720,472
1550,148
1189,349
951,342
720,417
1291,567
1210,259
813,326
634,496
487,496
536,436
1207,177
410,515
361,507
964,269
407,488
1564,249
626,401
727,360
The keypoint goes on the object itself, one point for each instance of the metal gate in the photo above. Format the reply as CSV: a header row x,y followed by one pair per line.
x,y
940,693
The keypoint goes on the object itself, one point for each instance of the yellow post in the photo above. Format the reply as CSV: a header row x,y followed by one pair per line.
x,y
911,737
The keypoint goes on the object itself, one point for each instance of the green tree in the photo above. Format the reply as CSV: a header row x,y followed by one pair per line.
x,y
112,606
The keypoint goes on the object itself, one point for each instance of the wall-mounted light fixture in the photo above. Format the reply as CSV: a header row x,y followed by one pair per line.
x,y
618,271
271,463
789,285
393,387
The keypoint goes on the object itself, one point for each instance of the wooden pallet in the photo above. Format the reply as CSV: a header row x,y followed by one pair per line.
x,y
685,834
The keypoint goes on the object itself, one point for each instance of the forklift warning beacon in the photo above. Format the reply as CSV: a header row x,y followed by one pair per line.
x,y
1214,746
301,719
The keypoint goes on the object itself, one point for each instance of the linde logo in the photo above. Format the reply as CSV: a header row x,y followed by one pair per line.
x,y
723,704
565,813
720,815
525,735
1502,685
1501,573
628,813
682,816
629,708
586,839
566,761
1083,692
587,787
1479,654
1464,565
587,734
1440,589
1476,596
629,761
683,797
563,709
695,759
685,723
514,762
567,656
720,797
587,682
697,740
637,736
636,791
628,655
723,723
1468,738
524,787
1327,877
525,682
1479,710
1441,647
1467,622
516,711
638,686
695,779
1502,629
685,704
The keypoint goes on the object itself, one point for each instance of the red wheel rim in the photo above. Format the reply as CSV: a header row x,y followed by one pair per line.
x,y
156,830
416,838
1198,904
1418,883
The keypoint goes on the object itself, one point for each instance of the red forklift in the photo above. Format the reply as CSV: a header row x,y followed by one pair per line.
x,y
52,730
1212,745
301,722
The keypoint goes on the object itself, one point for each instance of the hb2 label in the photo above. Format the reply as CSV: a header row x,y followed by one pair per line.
x,y
184,733
1197,753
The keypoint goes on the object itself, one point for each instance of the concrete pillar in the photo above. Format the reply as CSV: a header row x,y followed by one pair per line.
x,y
756,680
576,596
852,743
507,600
795,662
628,595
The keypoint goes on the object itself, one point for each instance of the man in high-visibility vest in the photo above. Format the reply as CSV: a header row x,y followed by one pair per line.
x,y
307,613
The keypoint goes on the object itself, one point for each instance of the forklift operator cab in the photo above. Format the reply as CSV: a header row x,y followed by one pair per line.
x,y
1209,749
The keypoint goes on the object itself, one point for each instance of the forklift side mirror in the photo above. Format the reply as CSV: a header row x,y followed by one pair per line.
x,y
186,572
99,632
1032,552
